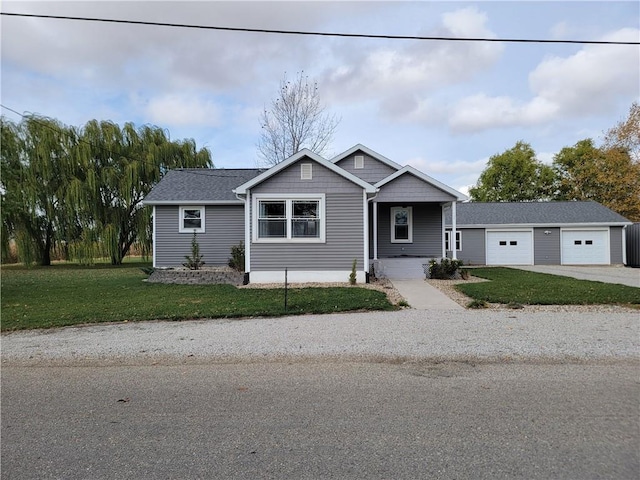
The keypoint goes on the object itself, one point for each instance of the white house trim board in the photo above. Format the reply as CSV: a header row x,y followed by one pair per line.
x,y
240,190
444,249
425,178
247,232
154,236
193,202
515,226
580,252
368,151
365,230
306,276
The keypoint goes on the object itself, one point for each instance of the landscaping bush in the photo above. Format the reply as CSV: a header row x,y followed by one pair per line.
x,y
446,269
237,257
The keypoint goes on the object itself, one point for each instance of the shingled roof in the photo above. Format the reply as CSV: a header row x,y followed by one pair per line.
x,y
534,213
200,186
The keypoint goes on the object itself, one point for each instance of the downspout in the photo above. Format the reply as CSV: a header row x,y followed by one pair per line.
x,y
247,234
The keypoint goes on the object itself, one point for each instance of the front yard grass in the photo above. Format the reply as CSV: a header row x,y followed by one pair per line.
x,y
510,285
61,295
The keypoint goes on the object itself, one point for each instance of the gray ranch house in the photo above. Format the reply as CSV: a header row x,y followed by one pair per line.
x,y
307,214
537,233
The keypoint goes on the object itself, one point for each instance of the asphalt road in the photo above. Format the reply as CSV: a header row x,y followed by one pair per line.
x,y
322,420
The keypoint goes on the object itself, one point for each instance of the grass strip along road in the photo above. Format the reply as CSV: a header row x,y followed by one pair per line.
x,y
61,295
510,285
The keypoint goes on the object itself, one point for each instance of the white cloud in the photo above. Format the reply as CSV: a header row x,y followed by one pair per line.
x,y
181,110
590,82
390,73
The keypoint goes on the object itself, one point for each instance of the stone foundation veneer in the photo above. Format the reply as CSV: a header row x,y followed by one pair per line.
x,y
197,277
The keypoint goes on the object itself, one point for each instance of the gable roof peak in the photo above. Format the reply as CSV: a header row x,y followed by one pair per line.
x,y
368,151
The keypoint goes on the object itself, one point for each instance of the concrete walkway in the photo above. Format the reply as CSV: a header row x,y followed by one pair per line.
x,y
423,296
605,273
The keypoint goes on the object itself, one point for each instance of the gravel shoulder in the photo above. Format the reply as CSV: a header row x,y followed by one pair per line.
x,y
405,335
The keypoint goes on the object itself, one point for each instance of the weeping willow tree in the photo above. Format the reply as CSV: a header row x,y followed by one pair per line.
x,y
119,168
37,161
81,190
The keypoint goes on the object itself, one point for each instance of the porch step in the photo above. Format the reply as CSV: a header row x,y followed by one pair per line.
x,y
402,268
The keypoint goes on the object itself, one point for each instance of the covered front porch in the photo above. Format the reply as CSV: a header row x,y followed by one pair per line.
x,y
410,233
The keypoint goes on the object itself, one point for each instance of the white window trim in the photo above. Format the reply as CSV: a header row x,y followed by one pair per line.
x,y
181,228
447,240
358,162
393,225
288,198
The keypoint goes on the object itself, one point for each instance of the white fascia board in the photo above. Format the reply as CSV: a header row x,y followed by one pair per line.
x,y
503,226
425,178
306,276
241,190
369,152
193,202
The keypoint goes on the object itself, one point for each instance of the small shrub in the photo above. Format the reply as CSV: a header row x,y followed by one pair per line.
x,y
352,275
446,269
237,257
477,304
403,303
194,261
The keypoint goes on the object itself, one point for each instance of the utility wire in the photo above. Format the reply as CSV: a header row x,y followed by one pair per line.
x,y
320,34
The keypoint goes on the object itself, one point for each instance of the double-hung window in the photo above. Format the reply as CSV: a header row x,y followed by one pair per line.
x,y
401,225
191,220
295,218
447,240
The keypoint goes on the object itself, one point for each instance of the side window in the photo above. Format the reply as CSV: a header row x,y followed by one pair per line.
x,y
191,219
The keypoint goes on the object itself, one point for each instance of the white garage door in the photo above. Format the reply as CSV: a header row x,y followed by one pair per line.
x,y
509,248
585,247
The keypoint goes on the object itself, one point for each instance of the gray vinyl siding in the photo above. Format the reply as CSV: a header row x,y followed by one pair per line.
x,y
615,244
427,232
473,246
407,188
324,181
224,227
374,170
344,240
546,247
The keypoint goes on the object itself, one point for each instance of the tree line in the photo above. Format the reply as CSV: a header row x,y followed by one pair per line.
x,y
608,173
78,191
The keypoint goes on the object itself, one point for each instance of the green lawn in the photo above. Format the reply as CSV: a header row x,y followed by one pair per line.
x,y
61,295
509,285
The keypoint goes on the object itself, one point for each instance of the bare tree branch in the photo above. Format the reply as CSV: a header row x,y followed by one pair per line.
x,y
295,120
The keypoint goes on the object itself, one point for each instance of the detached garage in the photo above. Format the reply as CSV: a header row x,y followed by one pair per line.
x,y
538,233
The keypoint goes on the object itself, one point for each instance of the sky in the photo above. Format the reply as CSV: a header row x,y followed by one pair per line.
x,y
442,107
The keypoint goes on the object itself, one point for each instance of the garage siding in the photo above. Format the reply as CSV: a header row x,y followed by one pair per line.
x,y
546,246
615,242
473,246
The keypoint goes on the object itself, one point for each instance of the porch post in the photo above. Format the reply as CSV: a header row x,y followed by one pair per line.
x,y
452,235
444,230
375,230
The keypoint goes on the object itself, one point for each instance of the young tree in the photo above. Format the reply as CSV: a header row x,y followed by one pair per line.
x,y
515,175
295,120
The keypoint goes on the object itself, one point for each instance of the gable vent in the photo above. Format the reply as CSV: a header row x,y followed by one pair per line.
x,y
359,161
306,172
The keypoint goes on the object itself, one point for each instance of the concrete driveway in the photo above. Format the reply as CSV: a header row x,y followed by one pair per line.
x,y
605,273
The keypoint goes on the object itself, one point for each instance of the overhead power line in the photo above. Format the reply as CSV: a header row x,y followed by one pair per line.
x,y
320,34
